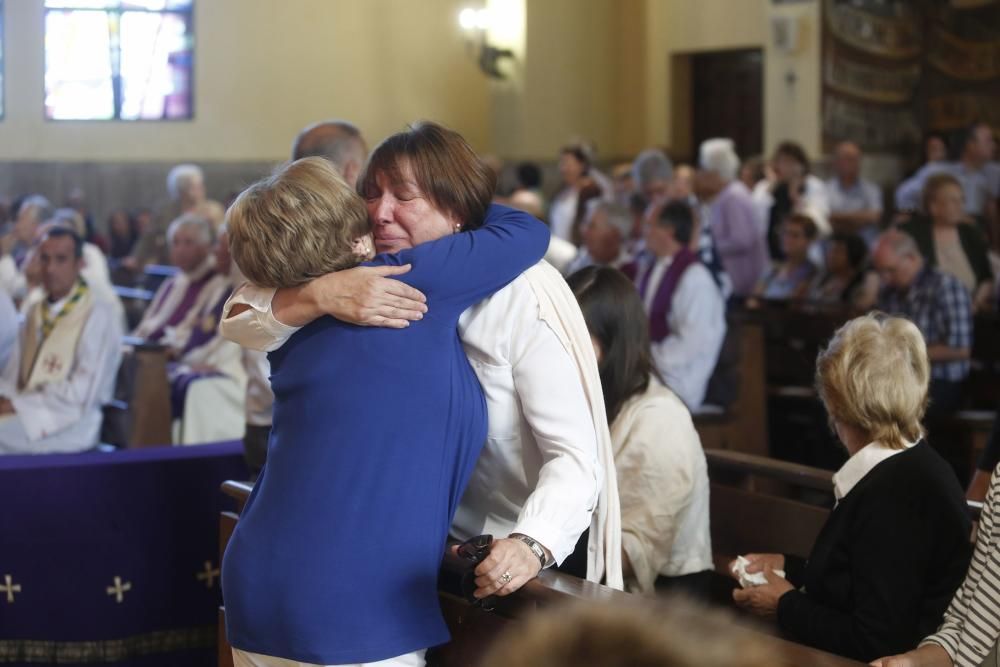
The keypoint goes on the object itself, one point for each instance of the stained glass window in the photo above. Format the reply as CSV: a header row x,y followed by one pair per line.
x,y
119,59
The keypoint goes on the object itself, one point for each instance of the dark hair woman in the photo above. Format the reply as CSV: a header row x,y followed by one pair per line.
x,y
662,475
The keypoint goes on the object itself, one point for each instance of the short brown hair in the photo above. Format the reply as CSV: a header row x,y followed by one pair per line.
x,y
295,225
935,183
874,376
444,166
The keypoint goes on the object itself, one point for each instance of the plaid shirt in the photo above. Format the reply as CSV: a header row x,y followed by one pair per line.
x,y
941,308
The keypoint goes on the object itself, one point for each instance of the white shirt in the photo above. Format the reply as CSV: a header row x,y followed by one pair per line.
x,y
66,416
260,398
697,321
859,465
862,196
562,214
539,472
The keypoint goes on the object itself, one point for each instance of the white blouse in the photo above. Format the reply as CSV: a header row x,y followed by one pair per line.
x,y
663,486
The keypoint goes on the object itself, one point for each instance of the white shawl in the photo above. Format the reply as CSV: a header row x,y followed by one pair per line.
x,y
558,308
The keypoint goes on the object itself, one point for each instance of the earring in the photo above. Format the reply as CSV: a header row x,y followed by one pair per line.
x,y
458,228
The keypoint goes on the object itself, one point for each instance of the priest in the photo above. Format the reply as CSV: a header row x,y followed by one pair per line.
x,y
53,387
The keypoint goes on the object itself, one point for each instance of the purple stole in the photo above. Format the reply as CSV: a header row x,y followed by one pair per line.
x,y
190,297
204,330
207,326
660,309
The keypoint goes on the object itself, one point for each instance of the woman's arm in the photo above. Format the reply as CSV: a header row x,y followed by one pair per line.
x,y
263,318
459,270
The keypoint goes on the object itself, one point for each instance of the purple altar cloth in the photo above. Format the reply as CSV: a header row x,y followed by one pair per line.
x,y
112,558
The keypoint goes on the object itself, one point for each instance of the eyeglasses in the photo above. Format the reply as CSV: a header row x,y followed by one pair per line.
x,y
475,550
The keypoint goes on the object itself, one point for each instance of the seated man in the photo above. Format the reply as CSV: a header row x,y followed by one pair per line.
x,y
855,202
51,393
190,239
605,231
687,320
208,383
940,307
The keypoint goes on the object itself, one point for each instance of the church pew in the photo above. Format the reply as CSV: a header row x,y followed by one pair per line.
x,y
473,630
135,300
743,426
149,402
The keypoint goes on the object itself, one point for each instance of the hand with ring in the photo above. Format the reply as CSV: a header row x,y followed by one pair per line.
x,y
510,565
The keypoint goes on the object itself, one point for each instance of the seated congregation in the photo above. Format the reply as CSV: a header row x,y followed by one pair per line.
x,y
568,417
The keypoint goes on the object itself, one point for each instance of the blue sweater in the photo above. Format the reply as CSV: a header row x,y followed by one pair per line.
x,y
376,432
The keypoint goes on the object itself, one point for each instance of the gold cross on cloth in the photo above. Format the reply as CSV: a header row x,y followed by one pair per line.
x,y
208,575
119,589
10,588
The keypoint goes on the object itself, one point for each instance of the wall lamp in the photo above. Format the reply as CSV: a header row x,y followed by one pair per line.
x,y
476,24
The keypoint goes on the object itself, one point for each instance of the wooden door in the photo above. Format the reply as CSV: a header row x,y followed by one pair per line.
x,y
727,98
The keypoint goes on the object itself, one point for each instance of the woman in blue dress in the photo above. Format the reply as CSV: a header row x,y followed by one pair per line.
x,y
376,431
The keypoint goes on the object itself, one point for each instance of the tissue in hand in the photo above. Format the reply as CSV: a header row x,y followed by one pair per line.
x,y
749,580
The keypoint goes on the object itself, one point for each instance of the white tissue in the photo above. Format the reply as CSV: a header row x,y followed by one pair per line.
x,y
749,580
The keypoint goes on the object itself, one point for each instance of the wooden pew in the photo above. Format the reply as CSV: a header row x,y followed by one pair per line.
x,y
149,403
473,630
743,426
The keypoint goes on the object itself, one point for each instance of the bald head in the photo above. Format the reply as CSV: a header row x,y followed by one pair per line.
x,y
847,161
897,259
338,141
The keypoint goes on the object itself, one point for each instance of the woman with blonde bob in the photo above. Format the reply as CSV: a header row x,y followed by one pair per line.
x,y
896,545
375,434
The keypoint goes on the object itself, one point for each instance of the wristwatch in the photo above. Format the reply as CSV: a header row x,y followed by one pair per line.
x,y
535,547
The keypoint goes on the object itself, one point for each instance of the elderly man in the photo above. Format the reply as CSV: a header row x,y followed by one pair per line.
x,y
855,202
52,389
190,240
337,141
730,215
16,246
186,189
940,307
687,312
209,382
605,231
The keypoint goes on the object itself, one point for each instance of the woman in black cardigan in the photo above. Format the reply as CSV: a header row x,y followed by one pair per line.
x,y
896,546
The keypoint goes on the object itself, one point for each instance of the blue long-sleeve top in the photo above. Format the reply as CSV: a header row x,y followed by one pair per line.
x,y
375,434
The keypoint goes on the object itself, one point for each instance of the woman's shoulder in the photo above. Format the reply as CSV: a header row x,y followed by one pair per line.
x,y
658,402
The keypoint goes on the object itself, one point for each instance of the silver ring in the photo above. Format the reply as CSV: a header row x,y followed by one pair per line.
x,y
504,579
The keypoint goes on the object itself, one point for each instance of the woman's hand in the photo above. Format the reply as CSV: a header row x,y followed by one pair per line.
x,y
760,563
763,600
930,655
508,557
367,296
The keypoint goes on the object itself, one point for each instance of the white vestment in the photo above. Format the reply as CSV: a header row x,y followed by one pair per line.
x,y
63,415
214,406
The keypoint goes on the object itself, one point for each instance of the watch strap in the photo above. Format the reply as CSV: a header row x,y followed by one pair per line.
x,y
535,547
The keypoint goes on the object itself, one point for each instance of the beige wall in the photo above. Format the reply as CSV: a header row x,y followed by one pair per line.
x,y
263,69
675,27
594,69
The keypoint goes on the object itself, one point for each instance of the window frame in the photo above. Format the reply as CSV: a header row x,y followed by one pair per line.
x,y
116,82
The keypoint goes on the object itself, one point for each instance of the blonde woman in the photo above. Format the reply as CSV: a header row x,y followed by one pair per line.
x,y
896,546
375,434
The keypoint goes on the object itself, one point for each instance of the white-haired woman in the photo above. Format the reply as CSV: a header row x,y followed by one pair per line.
x,y
731,215
896,545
